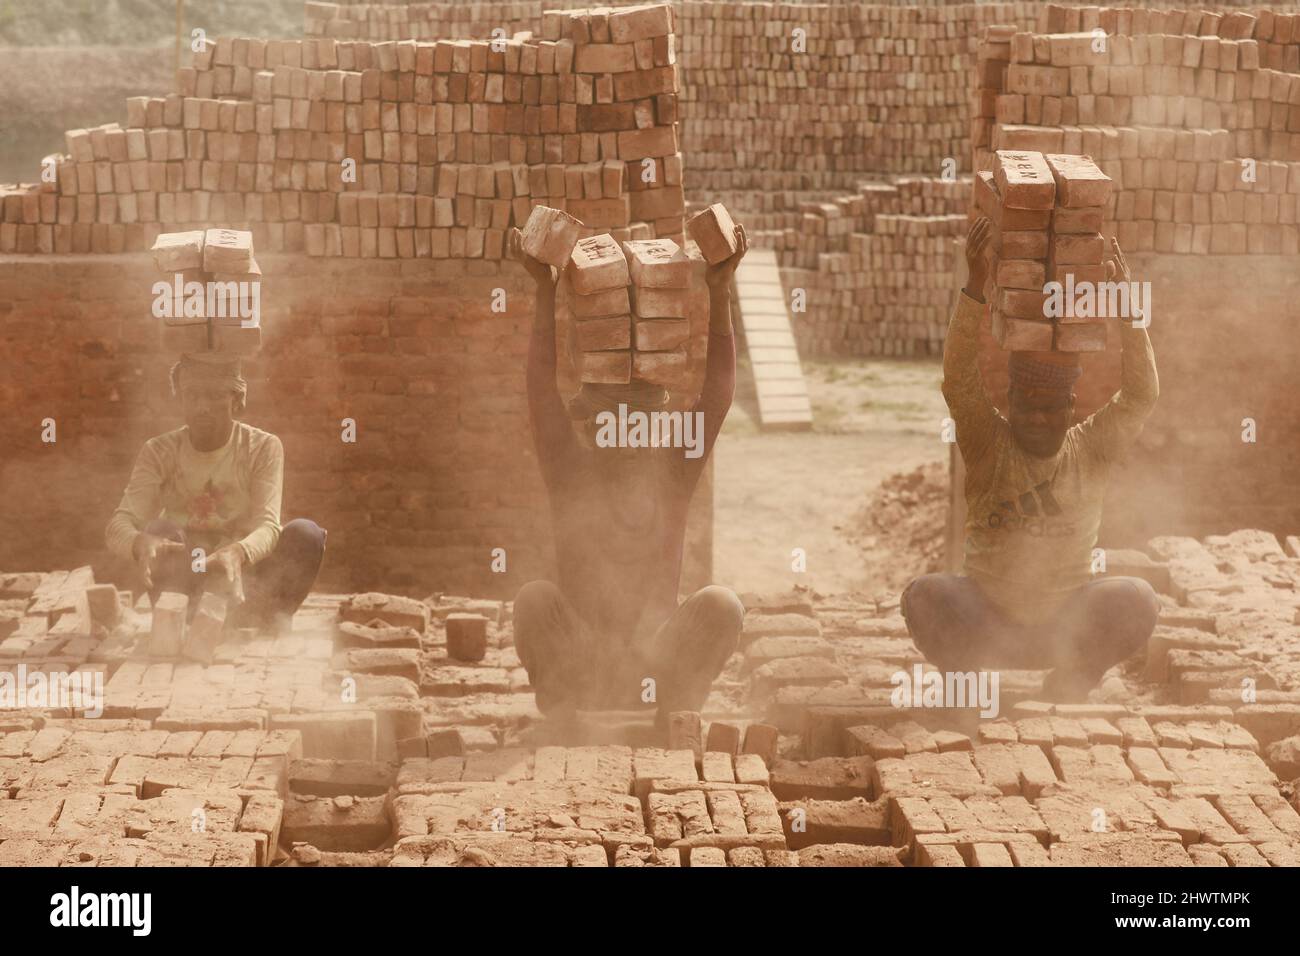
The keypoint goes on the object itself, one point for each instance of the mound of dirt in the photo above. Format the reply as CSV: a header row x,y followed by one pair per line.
x,y
901,530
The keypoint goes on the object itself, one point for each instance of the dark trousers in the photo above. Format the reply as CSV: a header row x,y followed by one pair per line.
x,y
570,667
277,585
957,628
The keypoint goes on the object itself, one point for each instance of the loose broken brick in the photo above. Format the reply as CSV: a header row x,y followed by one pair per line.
x,y
762,740
206,630
550,235
167,633
684,734
467,637
373,608
714,231
723,737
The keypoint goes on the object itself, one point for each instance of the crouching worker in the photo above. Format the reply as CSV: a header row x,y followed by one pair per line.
x,y
202,508
1034,488
612,620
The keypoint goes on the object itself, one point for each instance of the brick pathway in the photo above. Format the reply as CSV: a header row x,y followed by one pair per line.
x,y
358,741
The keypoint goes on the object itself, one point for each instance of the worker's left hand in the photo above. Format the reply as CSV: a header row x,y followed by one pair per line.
x,y
1116,265
719,276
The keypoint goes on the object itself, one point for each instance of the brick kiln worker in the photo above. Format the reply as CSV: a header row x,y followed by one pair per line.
x,y
216,484
1034,488
619,516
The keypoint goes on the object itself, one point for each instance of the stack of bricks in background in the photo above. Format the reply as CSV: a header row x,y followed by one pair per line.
x,y
1046,213
877,265
450,144
1180,108
765,118
227,323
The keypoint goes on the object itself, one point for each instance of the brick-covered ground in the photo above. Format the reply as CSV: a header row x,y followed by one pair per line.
x,y
257,758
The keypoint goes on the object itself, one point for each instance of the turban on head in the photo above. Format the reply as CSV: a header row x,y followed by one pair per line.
x,y
1033,370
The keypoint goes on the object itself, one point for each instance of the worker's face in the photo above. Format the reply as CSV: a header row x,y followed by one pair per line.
x,y
1039,419
209,413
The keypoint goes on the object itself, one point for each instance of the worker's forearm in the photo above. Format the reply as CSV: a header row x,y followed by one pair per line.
x,y
1139,383
720,311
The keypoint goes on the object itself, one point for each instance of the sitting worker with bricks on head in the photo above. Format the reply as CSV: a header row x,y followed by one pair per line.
x,y
1034,489
613,620
216,484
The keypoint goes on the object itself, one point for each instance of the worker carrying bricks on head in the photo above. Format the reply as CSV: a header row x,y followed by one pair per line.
x,y
215,484
612,619
1034,488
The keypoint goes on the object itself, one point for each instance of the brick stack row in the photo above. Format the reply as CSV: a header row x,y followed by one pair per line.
x,y
444,145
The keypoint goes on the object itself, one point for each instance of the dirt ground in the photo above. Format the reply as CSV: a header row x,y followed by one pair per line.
x,y
777,491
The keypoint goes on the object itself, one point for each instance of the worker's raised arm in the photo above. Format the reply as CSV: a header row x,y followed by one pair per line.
x,y
1112,429
552,431
963,388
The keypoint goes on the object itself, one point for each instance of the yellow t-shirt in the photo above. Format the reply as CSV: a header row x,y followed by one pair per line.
x,y
217,498
1031,523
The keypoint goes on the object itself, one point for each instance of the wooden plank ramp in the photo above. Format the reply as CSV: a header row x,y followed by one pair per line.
x,y
778,377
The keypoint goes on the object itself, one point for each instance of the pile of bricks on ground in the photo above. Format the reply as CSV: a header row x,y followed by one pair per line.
x,y
389,731
390,149
1195,127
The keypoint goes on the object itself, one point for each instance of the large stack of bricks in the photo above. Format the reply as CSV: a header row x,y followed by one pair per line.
x,y
439,147
394,320
1191,114
388,731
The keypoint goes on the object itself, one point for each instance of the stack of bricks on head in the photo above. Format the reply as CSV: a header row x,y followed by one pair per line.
x,y
205,257
635,303
450,144
1046,213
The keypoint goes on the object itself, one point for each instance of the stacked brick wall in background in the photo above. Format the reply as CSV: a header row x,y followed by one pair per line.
x,y
877,265
453,142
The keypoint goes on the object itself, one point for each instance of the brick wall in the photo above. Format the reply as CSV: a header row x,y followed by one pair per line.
x,y
443,469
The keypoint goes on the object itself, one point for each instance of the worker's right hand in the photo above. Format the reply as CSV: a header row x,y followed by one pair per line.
x,y
539,270
977,256
148,549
